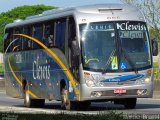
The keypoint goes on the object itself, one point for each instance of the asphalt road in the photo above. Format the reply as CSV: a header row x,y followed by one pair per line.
x,y
144,107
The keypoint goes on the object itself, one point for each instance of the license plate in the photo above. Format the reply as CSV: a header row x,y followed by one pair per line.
x,y
119,90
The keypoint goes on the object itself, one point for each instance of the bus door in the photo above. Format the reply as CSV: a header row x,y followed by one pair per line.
x,y
72,60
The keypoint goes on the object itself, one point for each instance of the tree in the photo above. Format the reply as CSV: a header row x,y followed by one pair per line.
x,y
19,13
151,11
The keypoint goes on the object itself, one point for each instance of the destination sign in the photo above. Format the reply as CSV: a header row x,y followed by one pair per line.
x,y
131,34
130,26
98,27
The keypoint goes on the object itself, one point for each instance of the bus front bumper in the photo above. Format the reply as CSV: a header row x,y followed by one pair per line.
x,y
108,93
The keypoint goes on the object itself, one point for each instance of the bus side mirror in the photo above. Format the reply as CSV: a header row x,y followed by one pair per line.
x,y
154,47
75,48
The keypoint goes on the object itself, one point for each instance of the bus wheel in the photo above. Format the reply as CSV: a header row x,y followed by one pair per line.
x,y
130,103
65,104
28,102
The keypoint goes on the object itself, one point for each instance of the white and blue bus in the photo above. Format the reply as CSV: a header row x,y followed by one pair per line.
x,y
79,55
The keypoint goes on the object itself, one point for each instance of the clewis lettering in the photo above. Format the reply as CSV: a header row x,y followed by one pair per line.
x,y
41,72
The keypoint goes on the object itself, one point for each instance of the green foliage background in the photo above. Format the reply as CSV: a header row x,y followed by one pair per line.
x,y
19,13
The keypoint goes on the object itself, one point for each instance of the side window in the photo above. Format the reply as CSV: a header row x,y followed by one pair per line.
x,y
27,44
72,60
38,34
49,34
71,37
60,34
30,33
25,31
17,44
71,31
6,40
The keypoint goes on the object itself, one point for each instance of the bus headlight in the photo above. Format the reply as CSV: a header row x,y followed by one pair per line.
x,y
144,81
93,80
90,83
147,80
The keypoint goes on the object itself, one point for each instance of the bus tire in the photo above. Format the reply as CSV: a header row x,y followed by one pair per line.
x,y
28,102
130,103
65,102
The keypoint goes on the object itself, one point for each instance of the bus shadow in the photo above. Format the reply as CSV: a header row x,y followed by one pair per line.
x,y
121,107
147,106
98,107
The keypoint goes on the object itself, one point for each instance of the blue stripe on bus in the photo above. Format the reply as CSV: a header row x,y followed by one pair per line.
x,y
124,78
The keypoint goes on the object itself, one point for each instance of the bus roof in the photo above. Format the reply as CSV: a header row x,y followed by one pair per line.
x,y
98,12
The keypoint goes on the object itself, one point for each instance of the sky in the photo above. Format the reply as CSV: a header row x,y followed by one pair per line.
x,y
6,5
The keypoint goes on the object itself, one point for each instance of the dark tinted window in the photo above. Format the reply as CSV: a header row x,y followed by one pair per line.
x,y
38,34
7,38
27,44
60,35
49,34
17,44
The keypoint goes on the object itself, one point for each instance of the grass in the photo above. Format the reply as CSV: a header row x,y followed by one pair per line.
x,y
155,65
62,116
156,70
1,68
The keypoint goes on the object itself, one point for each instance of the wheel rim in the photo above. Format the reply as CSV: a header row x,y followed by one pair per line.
x,y
65,101
27,98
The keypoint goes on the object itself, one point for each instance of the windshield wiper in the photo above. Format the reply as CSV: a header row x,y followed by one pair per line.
x,y
109,61
126,56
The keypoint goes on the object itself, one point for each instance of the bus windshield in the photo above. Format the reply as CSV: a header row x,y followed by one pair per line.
x,y
115,46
